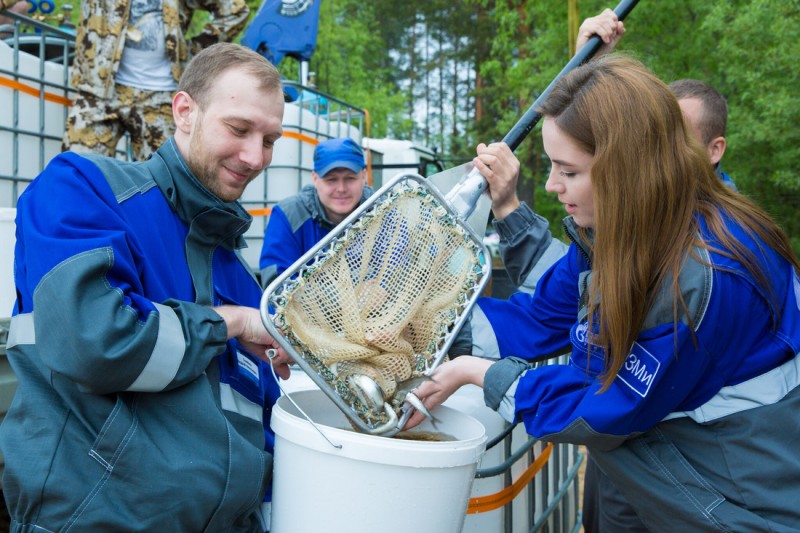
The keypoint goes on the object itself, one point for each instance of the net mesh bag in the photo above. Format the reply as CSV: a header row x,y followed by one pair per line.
x,y
381,299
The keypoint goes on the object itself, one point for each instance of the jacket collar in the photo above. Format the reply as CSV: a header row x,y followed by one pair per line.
x,y
211,219
573,232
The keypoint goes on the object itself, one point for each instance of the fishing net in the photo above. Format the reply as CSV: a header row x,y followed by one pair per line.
x,y
381,298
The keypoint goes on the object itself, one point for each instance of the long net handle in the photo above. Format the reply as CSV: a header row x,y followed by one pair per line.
x,y
531,117
465,195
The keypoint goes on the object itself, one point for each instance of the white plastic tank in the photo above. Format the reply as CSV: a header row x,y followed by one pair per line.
x,y
370,483
35,115
7,240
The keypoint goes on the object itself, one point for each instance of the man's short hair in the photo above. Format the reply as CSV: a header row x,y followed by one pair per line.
x,y
714,120
207,66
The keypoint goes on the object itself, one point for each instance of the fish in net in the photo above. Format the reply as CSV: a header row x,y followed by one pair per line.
x,y
382,299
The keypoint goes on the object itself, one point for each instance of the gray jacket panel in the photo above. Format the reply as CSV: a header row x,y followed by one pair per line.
x,y
527,247
739,473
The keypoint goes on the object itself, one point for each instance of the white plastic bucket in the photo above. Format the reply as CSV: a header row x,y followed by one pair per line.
x,y
371,483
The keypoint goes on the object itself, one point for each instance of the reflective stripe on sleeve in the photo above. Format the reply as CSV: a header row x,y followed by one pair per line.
x,y
21,331
165,360
508,407
484,342
555,251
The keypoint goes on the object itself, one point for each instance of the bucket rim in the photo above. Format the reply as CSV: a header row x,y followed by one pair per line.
x,y
289,425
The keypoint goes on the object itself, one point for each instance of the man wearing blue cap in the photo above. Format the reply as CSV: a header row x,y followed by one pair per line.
x,y
299,222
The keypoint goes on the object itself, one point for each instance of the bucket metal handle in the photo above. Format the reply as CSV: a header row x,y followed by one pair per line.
x,y
271,353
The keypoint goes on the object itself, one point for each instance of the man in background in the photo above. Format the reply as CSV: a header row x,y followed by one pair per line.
x,y
299,222
706,113
129,56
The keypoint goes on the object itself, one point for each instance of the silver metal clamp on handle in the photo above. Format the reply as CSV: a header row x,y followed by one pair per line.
x,y
463,197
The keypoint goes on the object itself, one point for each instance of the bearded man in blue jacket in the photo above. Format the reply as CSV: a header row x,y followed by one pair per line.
x,y
136,337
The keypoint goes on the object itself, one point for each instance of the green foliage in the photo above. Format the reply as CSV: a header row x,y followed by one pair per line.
x,y
757,49
350,64
747,50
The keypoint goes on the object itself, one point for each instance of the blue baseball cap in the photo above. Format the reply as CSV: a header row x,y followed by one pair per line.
x,y
338,153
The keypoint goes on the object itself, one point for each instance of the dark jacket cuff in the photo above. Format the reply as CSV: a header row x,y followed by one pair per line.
x,y
500,377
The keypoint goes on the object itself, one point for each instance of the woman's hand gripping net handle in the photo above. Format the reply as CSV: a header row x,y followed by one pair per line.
x,y
463,197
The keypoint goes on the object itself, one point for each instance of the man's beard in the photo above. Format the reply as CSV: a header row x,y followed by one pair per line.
x,y
205,169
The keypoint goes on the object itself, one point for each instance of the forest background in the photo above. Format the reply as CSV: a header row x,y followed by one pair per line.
x,y
449,74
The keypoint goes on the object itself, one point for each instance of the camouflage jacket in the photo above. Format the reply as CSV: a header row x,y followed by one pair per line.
x,y
103,24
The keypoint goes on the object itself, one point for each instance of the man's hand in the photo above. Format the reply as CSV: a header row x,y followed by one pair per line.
x,y
244,323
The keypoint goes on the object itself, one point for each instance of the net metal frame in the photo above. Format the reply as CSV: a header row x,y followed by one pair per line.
x,y
285,292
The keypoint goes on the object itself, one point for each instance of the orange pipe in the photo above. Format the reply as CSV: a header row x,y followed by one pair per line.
x,y
27,89
483,504
260,211
300,137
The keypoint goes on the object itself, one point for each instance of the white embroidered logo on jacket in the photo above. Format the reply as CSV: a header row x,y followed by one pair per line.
x,y
639,370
